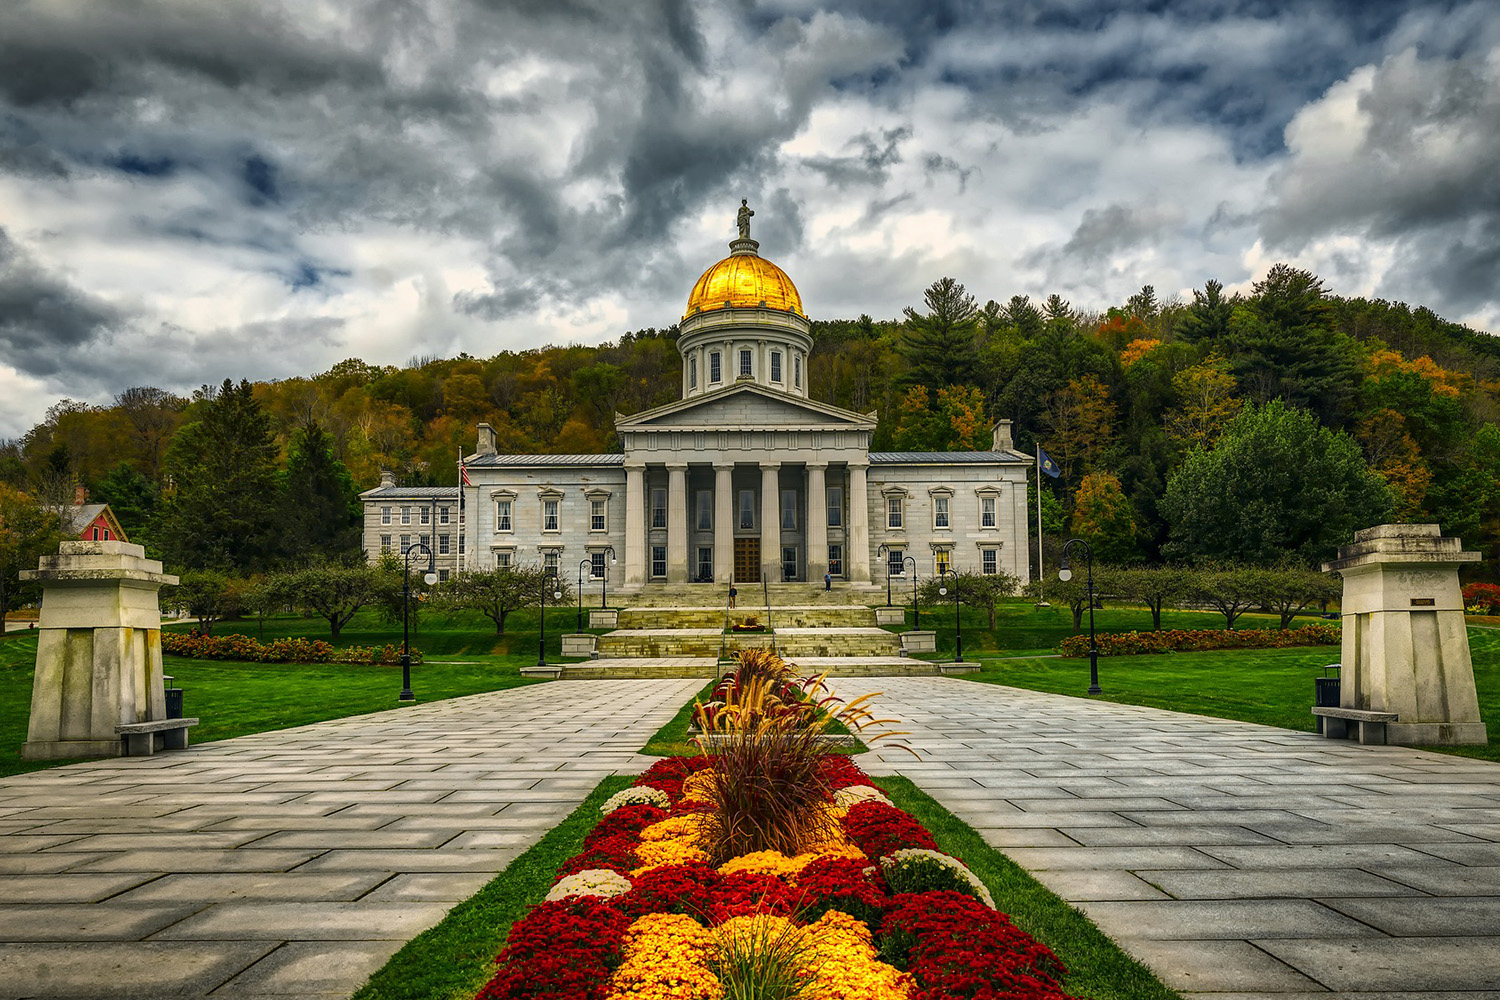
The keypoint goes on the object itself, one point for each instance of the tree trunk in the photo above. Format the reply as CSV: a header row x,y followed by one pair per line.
x,y
1077,617
1155,614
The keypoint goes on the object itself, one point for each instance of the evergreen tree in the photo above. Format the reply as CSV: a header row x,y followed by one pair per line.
x,y
940,346
323,509
132,497
1208,317
225,494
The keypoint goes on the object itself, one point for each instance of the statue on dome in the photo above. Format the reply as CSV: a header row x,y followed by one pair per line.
x,y
743,219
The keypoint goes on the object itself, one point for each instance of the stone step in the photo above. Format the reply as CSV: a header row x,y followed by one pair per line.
x,y
656,642
640,668
660,642
750,596
871,641
862,666
796,616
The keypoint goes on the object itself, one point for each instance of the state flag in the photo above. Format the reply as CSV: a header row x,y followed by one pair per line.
x,y
1048,466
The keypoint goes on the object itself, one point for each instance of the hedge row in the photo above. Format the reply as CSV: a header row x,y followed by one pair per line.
x,y
1193,640
299,650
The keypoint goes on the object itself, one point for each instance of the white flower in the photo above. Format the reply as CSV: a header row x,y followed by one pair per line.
x,y
916,856
848,798
593,882
641,795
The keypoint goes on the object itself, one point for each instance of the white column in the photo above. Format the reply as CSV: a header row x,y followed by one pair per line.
x,y
817,522
723,523
677,523
635,525
770,521
859,524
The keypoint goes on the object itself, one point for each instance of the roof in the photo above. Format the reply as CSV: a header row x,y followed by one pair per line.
x,y
541,461
744,280
79,516
808,413
411,493
946,457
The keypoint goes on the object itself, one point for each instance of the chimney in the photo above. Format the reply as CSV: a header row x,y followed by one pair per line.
x,y
387,479
1003,440
486,440
80,496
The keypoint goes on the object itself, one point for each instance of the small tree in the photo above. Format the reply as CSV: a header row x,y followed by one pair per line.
x,y
1156,587
494,593
264,597
28,531
1073,593
1287,590
977,590
1230,590
208,595
334,593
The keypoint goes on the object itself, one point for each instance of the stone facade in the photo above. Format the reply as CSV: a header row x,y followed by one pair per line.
x,y
397,516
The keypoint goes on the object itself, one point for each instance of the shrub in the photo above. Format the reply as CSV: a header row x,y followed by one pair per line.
x,y
955,946
1482,599
560,951
879,829
295,650
768,790
1197,640
917,870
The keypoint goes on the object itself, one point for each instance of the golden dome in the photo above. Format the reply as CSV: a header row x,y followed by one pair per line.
x,y
744,281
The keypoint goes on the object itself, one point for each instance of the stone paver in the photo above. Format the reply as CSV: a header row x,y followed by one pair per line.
x,y
294,863
1240,862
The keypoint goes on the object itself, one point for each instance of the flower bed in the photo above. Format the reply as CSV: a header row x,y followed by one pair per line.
x,y
299,650
870,911
1482,599
1194,640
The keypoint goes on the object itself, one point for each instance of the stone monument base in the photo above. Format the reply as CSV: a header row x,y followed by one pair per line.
x,y
71,749
1408,734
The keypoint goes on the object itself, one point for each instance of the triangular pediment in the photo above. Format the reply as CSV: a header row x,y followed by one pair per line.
x,y
746,407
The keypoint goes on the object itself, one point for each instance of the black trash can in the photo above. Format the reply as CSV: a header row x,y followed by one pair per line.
x,y
1326,688
174,703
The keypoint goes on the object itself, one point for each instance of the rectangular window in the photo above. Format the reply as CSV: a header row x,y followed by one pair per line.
x,y
705,510
986,512
106,534
797,371
835,506
96,534
406,515
658,508
747,508
693,372
405,543
989,561
549,515
549,564
775,366
385,543
596,515
596,565
502,560
425,515
443,542
745,371
658,561
460,544
788,563
426,542
502,515
442,515
940,512
715,371
895,562
705,565
442,576
788,510
835,560
893,514
941,561
385,515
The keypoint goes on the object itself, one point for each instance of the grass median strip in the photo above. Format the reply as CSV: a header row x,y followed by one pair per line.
x,y
453,960
1097,968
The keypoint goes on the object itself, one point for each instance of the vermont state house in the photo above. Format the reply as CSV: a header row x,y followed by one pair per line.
x,y
742,479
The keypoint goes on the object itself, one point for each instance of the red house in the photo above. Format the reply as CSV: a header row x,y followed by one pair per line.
x,y
91,522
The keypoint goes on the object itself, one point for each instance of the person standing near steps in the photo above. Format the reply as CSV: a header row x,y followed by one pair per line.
x,y
732,595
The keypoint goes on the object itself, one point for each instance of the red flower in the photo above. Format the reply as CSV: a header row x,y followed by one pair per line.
x,y
687,889
878,829
559,951
956,947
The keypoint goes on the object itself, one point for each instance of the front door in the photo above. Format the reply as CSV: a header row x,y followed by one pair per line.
x,y
747,560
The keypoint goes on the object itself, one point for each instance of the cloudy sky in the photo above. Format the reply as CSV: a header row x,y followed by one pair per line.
x,y
198,189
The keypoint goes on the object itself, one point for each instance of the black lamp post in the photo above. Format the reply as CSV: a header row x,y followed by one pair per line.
x,y
958,622
1065,574
880,554
582,563
549,578
429,578
916,610
604,580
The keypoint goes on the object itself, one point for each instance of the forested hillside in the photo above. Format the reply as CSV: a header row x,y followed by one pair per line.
x,y
1160,416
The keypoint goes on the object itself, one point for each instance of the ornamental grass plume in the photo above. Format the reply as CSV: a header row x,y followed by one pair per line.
x,y
763,957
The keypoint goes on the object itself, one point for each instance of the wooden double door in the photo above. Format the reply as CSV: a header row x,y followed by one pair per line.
x,y
747,560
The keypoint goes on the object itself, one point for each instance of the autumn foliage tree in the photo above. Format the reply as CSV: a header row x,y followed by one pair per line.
x,y
1103,517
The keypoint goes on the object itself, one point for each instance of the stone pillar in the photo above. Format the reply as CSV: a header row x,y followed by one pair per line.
x,y
859,524
770,521
677,523
635,526
723,523
817,523
1405,648
98,654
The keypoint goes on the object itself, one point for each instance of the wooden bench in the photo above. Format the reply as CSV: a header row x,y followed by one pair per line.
x,y
142,739
1334,723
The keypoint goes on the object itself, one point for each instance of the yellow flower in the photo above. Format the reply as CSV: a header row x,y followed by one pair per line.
x,y
665,957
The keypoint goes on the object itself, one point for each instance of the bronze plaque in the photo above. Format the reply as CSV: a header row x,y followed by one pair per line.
x,y
1423,602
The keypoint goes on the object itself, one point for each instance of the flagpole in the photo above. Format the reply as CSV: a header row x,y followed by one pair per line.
x,y
1041,571
459,557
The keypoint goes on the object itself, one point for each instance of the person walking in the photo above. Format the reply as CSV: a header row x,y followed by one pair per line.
x,y
732,595
827,581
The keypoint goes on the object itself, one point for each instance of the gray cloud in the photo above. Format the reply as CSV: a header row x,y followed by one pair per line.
x,y
43,317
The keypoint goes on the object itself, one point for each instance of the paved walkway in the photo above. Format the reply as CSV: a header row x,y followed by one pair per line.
x,y
1238,861
294,863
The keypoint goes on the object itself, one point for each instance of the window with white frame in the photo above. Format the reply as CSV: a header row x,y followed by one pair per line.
x,y
705,510
658,561
693,372
406,515
444,541
895,512
460,544
775,366
503,520
715,369
747,508
705,564
385,543
745,370
989,561
502,560
789,563
797,371
942,561
895,562
835,560
658,508
788,510
425,515
442,576
596,515
835,506
442,515
385,515
596,565
426,541
550,520
549,564
940,512
405,543
987,512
